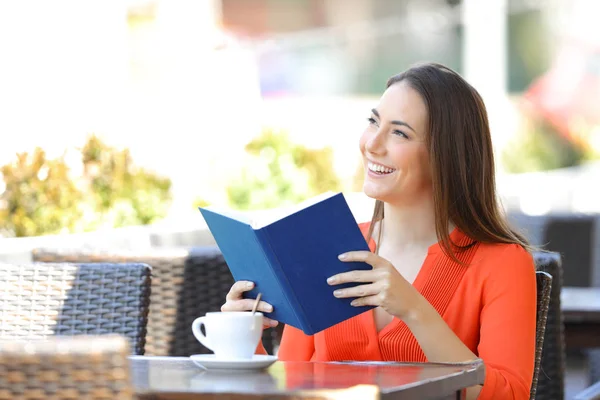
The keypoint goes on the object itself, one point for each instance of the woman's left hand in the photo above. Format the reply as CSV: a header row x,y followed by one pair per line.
x,y
384,286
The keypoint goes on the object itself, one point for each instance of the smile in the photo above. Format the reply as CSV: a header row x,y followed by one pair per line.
x,y
379,169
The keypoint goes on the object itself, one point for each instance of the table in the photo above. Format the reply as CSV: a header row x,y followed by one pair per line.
x,y
178,378
581,312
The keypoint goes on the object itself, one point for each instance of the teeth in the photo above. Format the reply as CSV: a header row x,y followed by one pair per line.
x,y
379,168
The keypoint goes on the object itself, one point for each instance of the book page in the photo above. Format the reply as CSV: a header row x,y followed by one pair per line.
x,y
254,218
260,218
263,218
242,216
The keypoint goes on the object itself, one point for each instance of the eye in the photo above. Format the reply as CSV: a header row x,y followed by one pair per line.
x,y
400,133
372,121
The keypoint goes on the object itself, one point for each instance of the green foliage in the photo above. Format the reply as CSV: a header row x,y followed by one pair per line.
x,y
43,196
121,193
39,197
279,172
539,147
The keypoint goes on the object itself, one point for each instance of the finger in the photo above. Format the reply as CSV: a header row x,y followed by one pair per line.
x,y
269,323
357,291
246,305
373,300
352,276
356,256
235,293
363,256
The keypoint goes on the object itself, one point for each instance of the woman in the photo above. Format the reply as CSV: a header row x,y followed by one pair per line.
x,y
450,280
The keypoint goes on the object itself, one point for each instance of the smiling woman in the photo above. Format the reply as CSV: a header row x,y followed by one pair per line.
x,y
450,281
393,147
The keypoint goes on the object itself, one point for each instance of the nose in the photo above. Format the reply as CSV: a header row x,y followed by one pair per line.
x,y
376,143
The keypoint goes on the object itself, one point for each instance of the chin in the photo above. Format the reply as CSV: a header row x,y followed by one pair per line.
x,y
374,193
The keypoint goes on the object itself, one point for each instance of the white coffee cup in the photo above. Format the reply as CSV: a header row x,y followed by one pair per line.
x,y
230,335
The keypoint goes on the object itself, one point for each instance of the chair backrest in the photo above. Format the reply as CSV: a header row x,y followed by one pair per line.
x,y
81,367
550,379
186,285
39,300
573,237
544,288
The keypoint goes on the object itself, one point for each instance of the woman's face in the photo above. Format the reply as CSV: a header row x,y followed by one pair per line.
x,y
395,155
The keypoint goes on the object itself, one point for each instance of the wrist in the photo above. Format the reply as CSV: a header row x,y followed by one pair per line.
x,y
421,314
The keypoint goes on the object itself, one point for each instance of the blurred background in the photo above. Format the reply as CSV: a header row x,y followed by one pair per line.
x,y
120,118
120,113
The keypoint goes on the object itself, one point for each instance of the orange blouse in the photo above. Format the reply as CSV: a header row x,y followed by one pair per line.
x,y
490,304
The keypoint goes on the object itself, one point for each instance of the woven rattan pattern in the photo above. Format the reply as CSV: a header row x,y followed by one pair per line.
x,y
186,284
42,299
75,368
551,376
544,288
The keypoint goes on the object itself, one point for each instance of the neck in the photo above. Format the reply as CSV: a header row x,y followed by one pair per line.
x,y
409,226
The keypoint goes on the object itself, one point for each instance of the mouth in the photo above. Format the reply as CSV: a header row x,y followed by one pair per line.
x,y
379,169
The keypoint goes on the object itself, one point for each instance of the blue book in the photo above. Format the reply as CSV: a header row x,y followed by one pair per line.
x,y
290,258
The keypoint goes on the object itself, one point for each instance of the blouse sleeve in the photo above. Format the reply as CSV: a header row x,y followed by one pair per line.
x,y
295,345
508,326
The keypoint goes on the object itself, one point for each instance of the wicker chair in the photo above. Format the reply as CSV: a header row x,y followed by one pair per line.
x,y
550,382
544,289
40,300
80,367
186,284
577,238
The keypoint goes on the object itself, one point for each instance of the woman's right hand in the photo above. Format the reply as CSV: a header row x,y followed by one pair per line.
x,y
236,302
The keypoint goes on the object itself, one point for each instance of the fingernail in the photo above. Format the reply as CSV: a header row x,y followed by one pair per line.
x,y
269,308
342,256
331,279
249,285
273,323
337,293
353,303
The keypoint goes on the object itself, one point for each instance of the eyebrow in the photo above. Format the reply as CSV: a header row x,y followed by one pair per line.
x,y
395,122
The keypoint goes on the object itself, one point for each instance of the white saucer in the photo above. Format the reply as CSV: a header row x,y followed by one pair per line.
x,y
258,361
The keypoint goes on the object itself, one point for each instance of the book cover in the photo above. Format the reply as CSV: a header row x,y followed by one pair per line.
x,y
290,257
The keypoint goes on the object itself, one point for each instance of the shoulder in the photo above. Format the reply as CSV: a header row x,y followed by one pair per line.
x,y
501,273
502,262
501,252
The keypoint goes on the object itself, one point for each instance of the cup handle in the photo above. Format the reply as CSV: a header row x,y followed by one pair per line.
x,y
198,322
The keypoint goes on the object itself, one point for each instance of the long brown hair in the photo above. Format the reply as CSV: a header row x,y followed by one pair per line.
x,y
461,160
